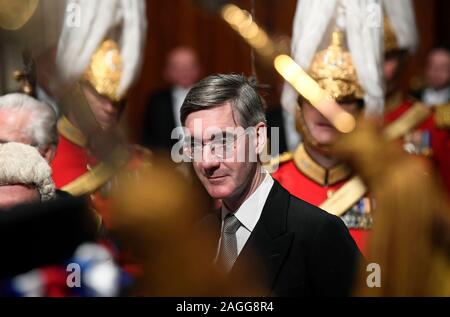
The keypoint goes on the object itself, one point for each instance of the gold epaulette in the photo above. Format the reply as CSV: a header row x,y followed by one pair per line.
x,y
99,175
90,181
442,116
70,132
407,122
273,164
345,197
95,178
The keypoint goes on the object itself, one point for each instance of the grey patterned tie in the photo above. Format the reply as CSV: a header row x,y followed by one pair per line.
x,y
228,246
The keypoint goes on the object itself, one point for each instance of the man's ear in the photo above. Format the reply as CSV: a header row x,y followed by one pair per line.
x,y
261,137
49,154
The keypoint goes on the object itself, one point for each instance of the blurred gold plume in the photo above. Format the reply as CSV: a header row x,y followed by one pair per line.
x,y
155,216
410,237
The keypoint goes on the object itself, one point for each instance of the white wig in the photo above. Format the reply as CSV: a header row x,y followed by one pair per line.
x,y
361,21
42,128
22,164
403,20
101,19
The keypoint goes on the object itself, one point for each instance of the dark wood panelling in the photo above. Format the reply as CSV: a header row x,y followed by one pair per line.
x,y
180,22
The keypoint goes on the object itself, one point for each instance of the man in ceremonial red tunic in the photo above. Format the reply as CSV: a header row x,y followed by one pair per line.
x,y
421,129
312,172
101,59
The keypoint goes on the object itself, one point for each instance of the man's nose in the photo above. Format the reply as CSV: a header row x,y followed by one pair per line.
x,y
209,160
109,107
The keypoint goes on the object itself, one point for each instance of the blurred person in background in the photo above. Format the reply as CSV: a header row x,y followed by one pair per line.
x,y
437,78
421,129
400,42
182,71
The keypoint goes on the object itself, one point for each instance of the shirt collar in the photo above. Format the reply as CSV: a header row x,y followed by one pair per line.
x,y
180,91
250,211
436,97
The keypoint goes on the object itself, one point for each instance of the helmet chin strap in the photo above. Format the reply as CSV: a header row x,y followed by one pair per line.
x,y
308,138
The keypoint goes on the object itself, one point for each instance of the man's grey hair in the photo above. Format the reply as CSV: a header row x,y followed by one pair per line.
x,y
215,90
42,128
22,164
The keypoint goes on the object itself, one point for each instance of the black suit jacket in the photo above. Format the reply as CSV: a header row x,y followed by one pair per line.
x,y
159,121
301,249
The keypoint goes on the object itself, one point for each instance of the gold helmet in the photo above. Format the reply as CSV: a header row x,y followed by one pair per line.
x,y
400,29
109,59
390,38
105,70
333,69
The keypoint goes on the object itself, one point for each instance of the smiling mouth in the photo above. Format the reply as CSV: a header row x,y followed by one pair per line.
x,y
216,179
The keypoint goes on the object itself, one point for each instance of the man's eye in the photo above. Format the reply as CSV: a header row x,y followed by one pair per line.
x,y
229,140
220,142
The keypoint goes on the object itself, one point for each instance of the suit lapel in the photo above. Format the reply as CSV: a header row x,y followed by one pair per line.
x,y
212,224
269,241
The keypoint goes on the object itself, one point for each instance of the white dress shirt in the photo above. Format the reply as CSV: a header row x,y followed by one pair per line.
x,y
434,97
249,212
178,96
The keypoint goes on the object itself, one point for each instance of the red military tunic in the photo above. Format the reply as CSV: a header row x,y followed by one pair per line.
x,y
70,162
425,137
73,160
305,179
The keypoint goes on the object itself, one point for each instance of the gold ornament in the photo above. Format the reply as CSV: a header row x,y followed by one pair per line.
x,y
442,116
333,69
390,38
105,70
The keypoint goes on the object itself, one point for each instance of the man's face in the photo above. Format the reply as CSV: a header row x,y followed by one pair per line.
x,y
105,111
12,195
322,131
437,71
14,126
182,68
222,178
391,70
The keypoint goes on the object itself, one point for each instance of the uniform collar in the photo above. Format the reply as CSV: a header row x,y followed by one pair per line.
x,y
317,173
70,132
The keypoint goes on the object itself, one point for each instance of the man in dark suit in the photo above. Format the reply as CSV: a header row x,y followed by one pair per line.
x,y
162,112
299,249
437,78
